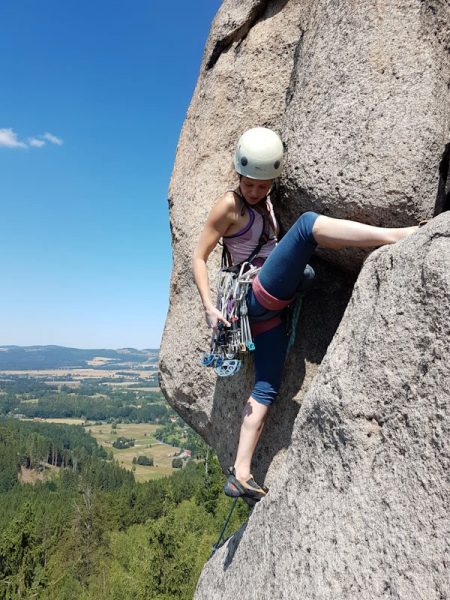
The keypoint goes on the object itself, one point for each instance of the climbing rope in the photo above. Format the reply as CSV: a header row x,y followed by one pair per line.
x,y
225,525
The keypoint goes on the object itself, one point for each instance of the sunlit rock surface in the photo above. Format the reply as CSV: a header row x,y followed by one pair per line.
x,y
360,94
361,508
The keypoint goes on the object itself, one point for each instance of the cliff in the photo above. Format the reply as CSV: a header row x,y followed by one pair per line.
x,y
360,95
360,507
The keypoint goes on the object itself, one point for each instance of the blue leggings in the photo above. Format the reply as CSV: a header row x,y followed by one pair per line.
x,y
284,273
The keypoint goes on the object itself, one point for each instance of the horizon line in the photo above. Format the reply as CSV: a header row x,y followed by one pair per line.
x,y
5,346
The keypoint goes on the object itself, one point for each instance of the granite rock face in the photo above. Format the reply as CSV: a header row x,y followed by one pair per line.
x,y
359,92
246,70
367,117
358,465
360,508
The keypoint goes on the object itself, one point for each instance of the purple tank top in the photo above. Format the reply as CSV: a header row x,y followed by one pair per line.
x,y
241,244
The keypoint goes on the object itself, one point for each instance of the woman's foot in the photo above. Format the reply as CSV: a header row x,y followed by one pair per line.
x,y
248,489
404,232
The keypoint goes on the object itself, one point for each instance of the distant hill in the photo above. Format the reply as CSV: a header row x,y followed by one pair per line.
x,y
24,358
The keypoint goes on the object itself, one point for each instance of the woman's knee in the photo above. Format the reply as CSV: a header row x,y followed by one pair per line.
x,y
305,224
264,393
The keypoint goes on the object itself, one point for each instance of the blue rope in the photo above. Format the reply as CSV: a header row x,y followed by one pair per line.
x,y
293,320
227,520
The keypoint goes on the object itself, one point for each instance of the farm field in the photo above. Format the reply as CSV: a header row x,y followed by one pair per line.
x,y
145,445
56,376
63,421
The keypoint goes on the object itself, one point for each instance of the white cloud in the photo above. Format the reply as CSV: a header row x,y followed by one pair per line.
x,y
8,139
53,139
36,142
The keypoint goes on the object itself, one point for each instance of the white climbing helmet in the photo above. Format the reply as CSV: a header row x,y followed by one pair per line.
x,y
259,154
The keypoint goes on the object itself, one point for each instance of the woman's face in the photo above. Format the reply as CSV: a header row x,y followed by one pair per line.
x,y
254,190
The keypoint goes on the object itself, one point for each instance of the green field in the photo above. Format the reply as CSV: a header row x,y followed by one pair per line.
x,y
145,445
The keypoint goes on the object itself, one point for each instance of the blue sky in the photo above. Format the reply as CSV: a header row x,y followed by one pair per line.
x,y
92,100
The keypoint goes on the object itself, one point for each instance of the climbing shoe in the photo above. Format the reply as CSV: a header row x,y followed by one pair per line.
x,y
249,490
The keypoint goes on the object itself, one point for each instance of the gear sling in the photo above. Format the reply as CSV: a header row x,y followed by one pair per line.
x,y
233,283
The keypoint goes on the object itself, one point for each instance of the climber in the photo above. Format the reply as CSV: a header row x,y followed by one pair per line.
x,y
238,218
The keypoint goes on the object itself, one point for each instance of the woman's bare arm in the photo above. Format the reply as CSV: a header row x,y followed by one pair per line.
x,y
222,215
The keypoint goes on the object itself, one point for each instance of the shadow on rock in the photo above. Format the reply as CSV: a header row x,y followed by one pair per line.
x,y
232,545
321,313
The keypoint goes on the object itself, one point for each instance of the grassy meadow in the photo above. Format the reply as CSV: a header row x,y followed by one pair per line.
x,y
145,445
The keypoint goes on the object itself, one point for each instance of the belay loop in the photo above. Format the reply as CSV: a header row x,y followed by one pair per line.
x,y
228,343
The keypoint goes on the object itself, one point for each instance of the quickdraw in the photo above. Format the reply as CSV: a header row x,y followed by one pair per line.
x,y
227,343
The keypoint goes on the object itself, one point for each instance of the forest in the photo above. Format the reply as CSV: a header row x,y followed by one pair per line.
x,y
92,401
91,531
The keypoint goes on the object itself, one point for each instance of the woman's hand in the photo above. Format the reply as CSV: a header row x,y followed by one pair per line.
x,y
214,317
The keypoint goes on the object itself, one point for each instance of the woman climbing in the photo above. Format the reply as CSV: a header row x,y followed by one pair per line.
x,y
243,218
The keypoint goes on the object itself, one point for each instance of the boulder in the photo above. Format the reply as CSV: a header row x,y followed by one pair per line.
x,y
359,509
